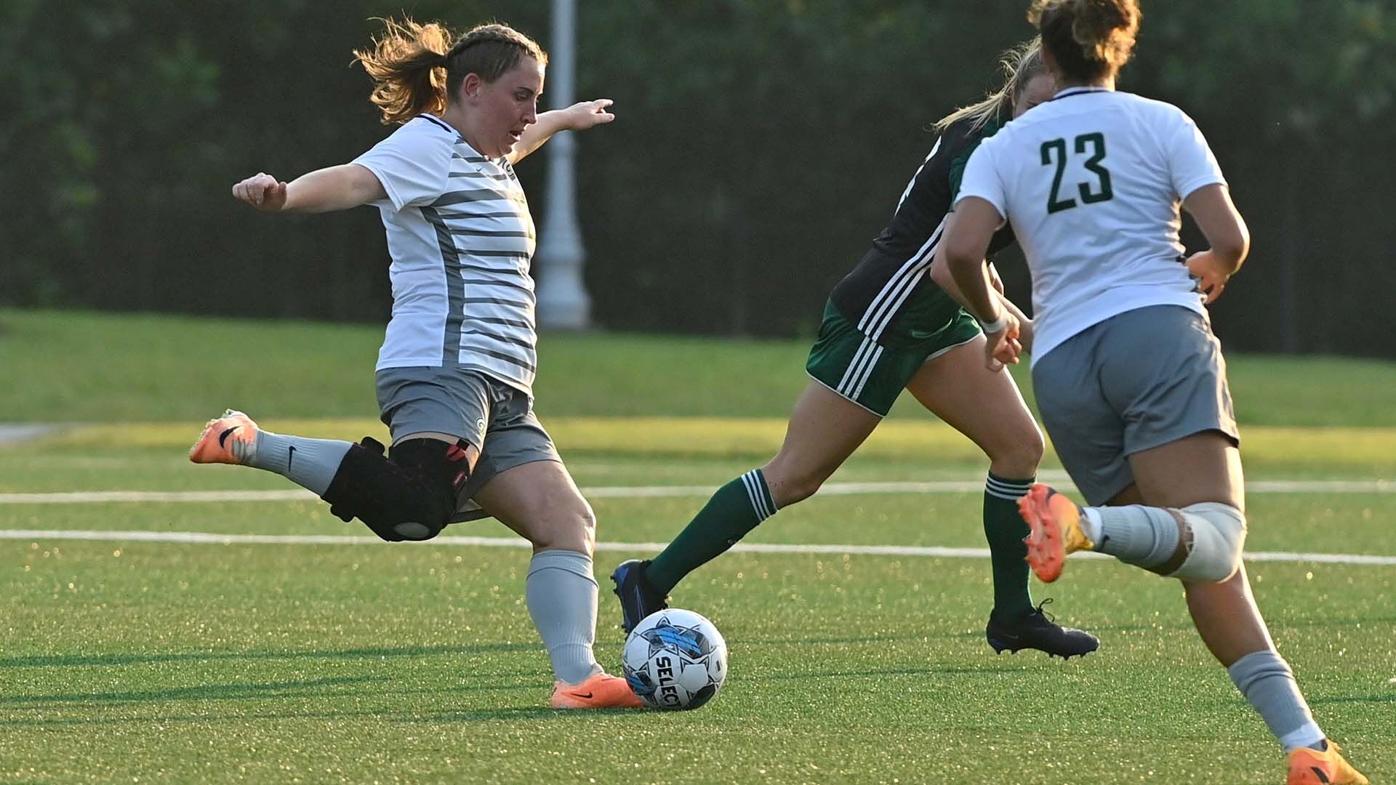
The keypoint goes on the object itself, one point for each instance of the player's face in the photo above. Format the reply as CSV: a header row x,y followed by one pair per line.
x,y
1040,88
507,106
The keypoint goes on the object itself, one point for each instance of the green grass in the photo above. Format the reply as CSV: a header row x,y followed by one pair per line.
x,y
128,661
229,663
83,367
342,664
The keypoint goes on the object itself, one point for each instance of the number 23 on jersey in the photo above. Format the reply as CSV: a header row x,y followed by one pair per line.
x,y
1055,153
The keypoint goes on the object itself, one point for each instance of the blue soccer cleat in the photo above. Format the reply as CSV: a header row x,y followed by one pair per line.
x,y
638,598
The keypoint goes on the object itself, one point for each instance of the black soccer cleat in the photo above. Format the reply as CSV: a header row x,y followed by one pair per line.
x,y
1037,630
637,598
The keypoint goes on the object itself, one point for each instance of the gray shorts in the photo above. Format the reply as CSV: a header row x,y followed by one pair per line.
x,y
489,414
1138,380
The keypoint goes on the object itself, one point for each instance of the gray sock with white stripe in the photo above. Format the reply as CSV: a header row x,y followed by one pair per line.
x,y
735,509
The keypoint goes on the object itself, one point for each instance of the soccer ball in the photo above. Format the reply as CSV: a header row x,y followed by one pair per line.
x,y
675,659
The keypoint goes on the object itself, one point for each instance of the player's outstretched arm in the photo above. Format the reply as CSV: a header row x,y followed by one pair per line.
x,y
577,117
1216,215
321,191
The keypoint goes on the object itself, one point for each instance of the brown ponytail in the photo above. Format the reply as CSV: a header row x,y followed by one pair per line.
x,y
1090,39
417,67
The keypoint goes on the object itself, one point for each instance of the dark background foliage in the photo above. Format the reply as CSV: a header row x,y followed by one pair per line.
x,y
760,145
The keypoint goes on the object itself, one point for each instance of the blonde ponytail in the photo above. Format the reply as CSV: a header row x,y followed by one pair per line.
x,y
1019,65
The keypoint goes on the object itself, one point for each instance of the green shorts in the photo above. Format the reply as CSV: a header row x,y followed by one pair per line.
x,y
870,373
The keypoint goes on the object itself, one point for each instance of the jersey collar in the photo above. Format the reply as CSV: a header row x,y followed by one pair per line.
x,y
1070,91
460,139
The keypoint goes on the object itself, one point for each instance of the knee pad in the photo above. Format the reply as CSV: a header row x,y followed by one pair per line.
x,y
410,495
1217,533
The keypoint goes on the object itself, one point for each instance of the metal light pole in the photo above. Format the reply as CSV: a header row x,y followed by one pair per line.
x,y
562,298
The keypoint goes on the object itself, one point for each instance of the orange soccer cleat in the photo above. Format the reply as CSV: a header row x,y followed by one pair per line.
x,y
601,691
1054,530
1326,767
231,438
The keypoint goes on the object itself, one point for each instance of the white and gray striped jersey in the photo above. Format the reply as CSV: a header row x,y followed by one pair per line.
x,y
461,241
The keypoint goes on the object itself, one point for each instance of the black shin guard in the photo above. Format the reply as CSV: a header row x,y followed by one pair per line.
x,y
410,495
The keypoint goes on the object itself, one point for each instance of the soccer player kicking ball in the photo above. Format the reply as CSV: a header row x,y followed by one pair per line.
x,y
1130,380
456,368
894,324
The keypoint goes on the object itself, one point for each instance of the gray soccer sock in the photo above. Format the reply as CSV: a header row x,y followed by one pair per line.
x,y
1143,536
1268,683
561,596
309,463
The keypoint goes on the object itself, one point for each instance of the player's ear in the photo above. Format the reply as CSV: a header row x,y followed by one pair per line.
x,y
471,85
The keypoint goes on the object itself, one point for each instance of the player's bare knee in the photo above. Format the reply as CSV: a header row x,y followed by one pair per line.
x,y
789,484
1016,461
1215,536
797,489
586,521
569,531
1034,447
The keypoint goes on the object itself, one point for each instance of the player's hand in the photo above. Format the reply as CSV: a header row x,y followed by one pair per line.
x,y
1027,330
584,115
1209,273
1003,347
994,278
262,191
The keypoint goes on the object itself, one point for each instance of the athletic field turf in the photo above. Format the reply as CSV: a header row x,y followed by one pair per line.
x,y
132,650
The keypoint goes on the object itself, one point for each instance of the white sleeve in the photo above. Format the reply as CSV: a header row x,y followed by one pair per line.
x,y
413,164
1190,161
981,179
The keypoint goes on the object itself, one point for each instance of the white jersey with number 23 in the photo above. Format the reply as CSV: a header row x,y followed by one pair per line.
x,y
1092,182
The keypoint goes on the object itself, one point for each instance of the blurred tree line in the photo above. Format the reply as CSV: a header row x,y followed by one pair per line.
x,y
760,145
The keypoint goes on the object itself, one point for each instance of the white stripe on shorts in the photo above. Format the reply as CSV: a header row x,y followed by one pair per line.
x,y
867,372
851,370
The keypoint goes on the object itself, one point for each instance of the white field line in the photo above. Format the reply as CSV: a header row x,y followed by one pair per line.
x,y
207,538
653,491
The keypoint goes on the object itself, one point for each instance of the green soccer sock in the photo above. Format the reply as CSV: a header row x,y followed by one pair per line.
x,y
1004,529
735,509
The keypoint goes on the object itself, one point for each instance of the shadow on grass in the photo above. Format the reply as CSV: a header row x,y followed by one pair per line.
x,y
105,660
507,714
165,720
1356,699
200,692
743,642
878,673
510,714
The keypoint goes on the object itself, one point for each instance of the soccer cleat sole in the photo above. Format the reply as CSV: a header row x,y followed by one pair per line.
x,y
1000,647
1046,549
